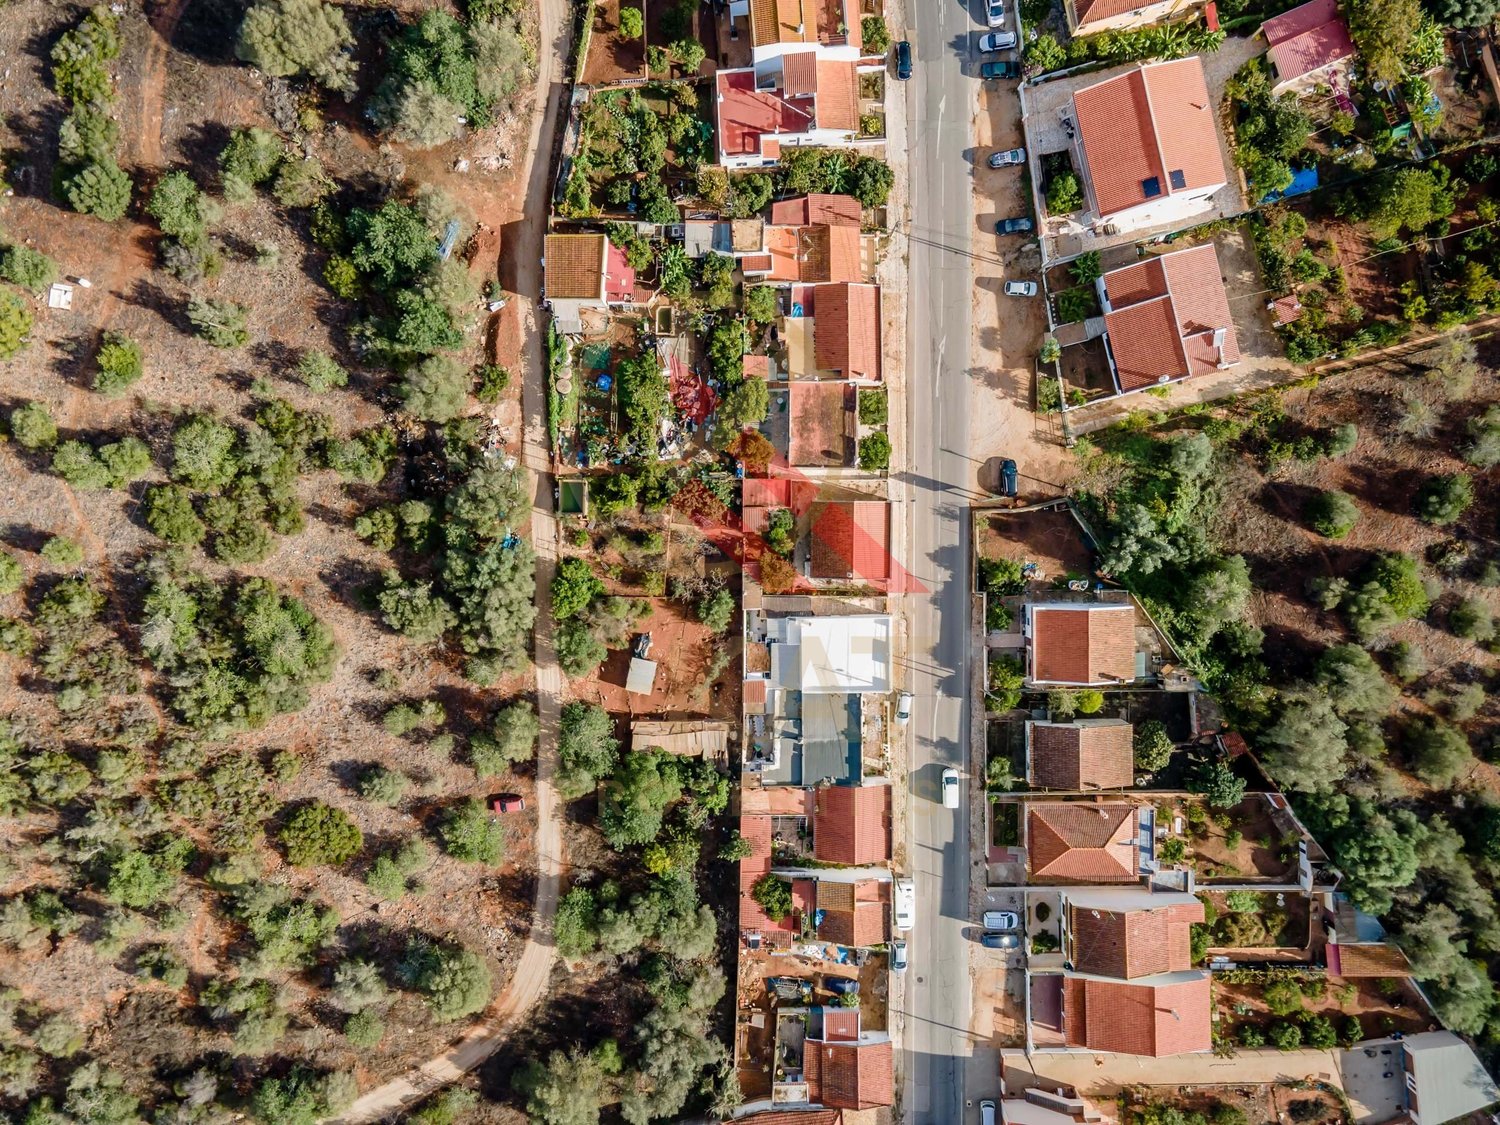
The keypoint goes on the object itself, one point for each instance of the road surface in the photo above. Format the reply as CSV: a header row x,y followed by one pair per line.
x,y
936,1065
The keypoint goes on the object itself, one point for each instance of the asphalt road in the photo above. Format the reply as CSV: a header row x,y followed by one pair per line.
x,y
937,1064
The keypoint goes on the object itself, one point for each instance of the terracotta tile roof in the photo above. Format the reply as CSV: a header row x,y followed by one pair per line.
x,y
1132,943
1138,1019
755,695
1082,843
767,491
1155,123
845,245
619,278
1307,39
854,914
1092,11
832,210
852,824
1165,315
846,330
747,114
1367,959
799,74
840,1025
757,831
778,21
851,540
1094,754
1286,310
1083,644
838,96
821,423
575,266
756,263
849,1075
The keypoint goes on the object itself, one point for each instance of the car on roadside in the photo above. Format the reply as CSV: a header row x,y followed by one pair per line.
x,y
997,41
1000,920
904,909
508,802
903,61
1020,289
898,956
1009,478
994,13
1008,158
999,941
950,788
1019,225
1005,68
903,707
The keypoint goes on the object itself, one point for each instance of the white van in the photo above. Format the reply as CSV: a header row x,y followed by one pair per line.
x,y
950,788
905,906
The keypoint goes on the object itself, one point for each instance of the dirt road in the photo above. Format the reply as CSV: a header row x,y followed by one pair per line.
x,y
529,983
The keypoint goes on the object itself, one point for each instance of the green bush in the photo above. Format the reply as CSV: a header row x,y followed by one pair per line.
x,y
469,833
1472,619
455,981
99,188
1286,1036
1153,746
319,833
632,22
1443,499
28,268
875,452
1333,514
15,324
286,38
1064,194
874,34
435,389
383,785
873,407
774,896
170,514
364,1029
119,365
221,323
61,551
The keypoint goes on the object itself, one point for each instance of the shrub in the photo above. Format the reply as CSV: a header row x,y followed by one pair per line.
x,y
716,610
435,389
61,551
1342,439
286,38
774,896
511,738
1286,1036
875,452
1282,997
1444,498
1251,1036
99,188
15,324
1333,514
319,833
456,982
364,1029
875,35
632,22
1064,194
221,323
120,364
319,372
1439,752
1472,619
12,576
1089,701
874,409
1153,747
469,833
574,588
28,268
249,159
178,207
383,785
170,514
490,382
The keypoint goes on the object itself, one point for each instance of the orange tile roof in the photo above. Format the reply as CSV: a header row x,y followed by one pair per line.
x,y
1153,123
840,1024
753,919
1082,843
849,1075
851,540
1132,943
852,824
575,266
854,914
1367,959
838,96
844,253
1083,644
1138,1019
792,1117
1165,315
755,694
756,263
832,210
1307,39
1092,11
846,329
781,21
820,423
1088,755
799,74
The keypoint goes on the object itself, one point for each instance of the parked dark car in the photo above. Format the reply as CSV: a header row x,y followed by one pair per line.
x,y
1021,225
1000,941
903,60
1008,477
1006,68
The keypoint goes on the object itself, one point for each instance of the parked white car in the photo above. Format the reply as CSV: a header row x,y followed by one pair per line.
x,y
903,707
997,41
950,788
1020,289
1000,920
898,956
994,13
905,907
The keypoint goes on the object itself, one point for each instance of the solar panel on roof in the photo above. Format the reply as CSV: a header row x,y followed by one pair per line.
x,y
1151,186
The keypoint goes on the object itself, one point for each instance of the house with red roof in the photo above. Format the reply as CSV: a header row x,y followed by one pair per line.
x,y
1128,932
850,542
1308,47
1086,843
1087,17
854,914
1083,755
584,271
794,99
1147,144
1167,318
1169,1014
1080,644
779,27
825,1057
852,824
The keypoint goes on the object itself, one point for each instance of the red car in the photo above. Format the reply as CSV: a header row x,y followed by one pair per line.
x,y
508,802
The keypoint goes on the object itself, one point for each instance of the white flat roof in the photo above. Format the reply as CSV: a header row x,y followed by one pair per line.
x,y
849,655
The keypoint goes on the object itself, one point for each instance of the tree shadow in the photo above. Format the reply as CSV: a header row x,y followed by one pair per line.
x,y
212,32
146,294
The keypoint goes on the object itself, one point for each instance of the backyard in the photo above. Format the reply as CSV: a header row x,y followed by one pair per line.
x,y
1243,843
1289,1008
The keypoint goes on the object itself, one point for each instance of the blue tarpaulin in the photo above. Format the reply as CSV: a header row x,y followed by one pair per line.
x,y
1303,180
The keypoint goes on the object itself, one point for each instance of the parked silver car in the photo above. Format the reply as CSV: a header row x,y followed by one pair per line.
x,y
1000,920
994,13
1007,158
997,41
898,956
1020,289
